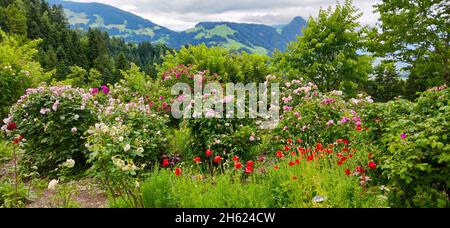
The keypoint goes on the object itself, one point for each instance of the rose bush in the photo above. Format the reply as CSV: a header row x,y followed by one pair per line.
x,y
52,121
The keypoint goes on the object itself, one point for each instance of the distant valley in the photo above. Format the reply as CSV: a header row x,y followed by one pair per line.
x,y
253,38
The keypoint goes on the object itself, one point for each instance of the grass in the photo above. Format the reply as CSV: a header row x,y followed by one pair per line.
x,y
287,187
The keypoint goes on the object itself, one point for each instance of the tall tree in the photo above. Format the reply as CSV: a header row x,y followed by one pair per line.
x,y
417,32
329,54
386,84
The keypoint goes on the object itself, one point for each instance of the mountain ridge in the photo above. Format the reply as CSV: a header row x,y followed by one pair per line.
x,y
250,37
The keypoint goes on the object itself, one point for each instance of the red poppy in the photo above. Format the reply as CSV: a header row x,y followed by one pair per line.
x,y
209,152
350,155
297,161
299,141
289,141
339,162
11,126
309,158
279,154
345,141
347,172
293,153
358,128
235,158
372,165
276,167
178,171
217,159
165,163
339,155
301,150
291,163
249,169
237,165
294,178
197,160
286,148
250,163
319,146
359,169
343,159
345,149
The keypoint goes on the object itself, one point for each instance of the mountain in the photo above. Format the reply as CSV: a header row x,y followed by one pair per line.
x,y
257,38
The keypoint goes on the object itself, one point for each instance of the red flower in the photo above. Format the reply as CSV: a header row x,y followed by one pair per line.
x,y
350,155
319,146
345,149
294,178
345,141
286,148
11,126
297,161
343,159
238,165
250,163
165,163
289,141
293,153
17,140
299,141
339,162
359,169
276,167
197,160
291,163
217,159
235,158
372,165
209,152
279,154
178,171
347,172
309,158
358,128
249,169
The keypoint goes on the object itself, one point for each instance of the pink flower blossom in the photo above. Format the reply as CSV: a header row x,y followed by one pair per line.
x,y
105,89
94,91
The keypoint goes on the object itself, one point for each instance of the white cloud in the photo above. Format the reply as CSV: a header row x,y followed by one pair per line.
x,y
184,14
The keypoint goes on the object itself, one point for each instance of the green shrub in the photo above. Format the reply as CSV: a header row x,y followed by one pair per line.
x,y
417,160
53,120
129,138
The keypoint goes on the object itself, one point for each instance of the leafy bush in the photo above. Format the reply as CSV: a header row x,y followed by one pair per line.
x,y
230,67
417,160
129,138
312,116
18,70
52,120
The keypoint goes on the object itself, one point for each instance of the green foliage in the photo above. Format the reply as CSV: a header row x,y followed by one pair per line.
x,y
387,84
134,79
79,77
53,121
418,164
417,33
9,198
18,70
327,54
129,139
274,189
219,61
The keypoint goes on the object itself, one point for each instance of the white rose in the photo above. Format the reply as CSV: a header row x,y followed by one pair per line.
x,y
127,147
52,184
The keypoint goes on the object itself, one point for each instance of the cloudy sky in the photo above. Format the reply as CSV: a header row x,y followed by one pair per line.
x,y
185,14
